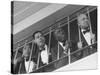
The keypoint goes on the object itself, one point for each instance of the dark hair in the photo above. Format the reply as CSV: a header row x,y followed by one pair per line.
x,y
35,33
78,14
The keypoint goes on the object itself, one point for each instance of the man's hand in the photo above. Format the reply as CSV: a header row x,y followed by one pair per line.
x,y
93,38
79,44
34,66
66,45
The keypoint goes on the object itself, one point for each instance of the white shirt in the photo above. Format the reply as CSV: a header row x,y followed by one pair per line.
x,y
62,45
87,37
32,64
44,55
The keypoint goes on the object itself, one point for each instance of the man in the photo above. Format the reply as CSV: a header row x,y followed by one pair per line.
x,y
87,34
23,64
42,52
61,48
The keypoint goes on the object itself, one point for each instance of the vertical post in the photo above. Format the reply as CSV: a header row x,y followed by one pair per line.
x,y
69,40
79,33
38,61
49,43
58,52
89,21
16,52
22,56
30,56
19,68
58,45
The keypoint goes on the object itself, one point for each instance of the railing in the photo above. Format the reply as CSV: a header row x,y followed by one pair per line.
x,y
66,58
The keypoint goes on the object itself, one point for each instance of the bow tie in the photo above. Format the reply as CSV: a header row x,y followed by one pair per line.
x,y
42,49
87,30
27,59
63,43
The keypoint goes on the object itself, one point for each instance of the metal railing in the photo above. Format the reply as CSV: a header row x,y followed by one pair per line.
x,y
51,29
92,50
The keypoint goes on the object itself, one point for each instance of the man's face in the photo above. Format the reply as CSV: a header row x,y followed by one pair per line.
x,y
26,51
60,35
83,21
39,39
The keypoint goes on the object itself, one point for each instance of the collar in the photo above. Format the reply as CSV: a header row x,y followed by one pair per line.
x,y
85,31
45,47
61,44
82,30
